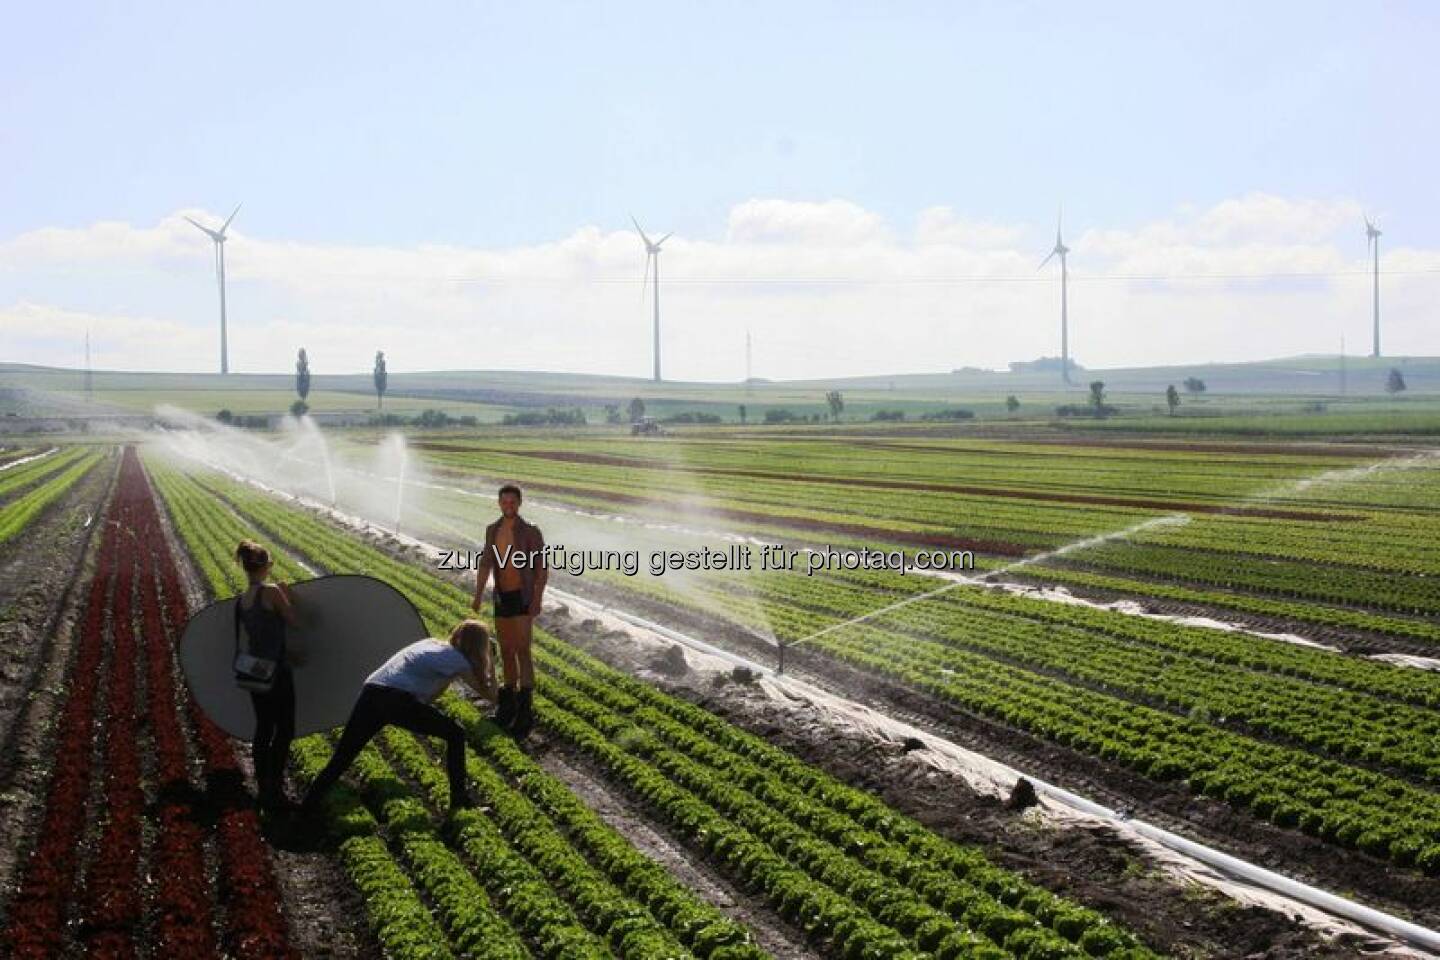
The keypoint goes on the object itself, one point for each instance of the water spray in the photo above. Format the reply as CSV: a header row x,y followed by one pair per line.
x,y
400,481
1174,519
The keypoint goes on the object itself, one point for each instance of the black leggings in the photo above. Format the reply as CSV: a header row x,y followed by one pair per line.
x,y
274,729
378,707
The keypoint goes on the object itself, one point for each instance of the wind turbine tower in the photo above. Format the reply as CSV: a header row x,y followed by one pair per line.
x,y
652,255
1372,240
218,236
1061,250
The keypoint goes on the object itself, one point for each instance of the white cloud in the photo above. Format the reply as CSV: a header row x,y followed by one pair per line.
x,y
825,287
940,225
831,223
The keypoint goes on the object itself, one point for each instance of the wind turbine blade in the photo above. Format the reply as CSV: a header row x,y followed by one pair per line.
x,y
664,238
203,229
226,225
639,231
1047,260
645,279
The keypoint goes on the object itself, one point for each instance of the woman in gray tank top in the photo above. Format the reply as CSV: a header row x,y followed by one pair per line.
x,y
265,612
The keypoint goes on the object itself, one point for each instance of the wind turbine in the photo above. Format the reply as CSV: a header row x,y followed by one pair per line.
x,y
652,254
1062,250
219,237
1372,241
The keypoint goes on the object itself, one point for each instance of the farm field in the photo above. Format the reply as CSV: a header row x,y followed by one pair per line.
x,y
667,810
1292,741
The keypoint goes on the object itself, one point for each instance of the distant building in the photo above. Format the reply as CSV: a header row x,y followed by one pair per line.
x,y
1041,365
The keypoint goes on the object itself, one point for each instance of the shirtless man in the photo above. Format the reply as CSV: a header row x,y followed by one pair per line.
x,y
514,552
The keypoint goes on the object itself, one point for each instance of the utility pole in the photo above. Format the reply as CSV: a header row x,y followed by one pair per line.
x,y
748,373
89,383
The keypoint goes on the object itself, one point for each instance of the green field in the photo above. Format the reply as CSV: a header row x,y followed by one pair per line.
x,y
1218,621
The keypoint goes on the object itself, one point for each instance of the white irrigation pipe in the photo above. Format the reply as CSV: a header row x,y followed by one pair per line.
x,y
1396,927
1402,930
32,457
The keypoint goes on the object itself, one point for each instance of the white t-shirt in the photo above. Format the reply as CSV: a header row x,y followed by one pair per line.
x,y
422,669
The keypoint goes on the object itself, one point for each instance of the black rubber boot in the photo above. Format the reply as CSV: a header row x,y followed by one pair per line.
x,y
505,706
524,714
264,781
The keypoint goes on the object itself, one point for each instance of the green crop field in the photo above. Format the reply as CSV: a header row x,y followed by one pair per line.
x,y
1229,636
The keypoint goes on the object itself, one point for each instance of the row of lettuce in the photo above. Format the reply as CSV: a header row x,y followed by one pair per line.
x,y
856,878
27,489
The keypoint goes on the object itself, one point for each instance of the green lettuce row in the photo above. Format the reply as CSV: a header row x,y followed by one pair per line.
x,y
17,514
399,919
702,927
27,473
627,926
211,533
476,927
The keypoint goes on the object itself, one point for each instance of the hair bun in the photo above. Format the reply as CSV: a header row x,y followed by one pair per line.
x,y
252,556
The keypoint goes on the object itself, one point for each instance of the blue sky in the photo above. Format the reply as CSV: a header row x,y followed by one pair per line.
x,y
511,126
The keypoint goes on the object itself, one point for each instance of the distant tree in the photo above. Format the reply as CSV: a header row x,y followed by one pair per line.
x,y
1194,385
836,403
1395,382
1097,395
742,413
612,413
1012,403
1172,398
299,408
225,416
381,377
637,410
302,375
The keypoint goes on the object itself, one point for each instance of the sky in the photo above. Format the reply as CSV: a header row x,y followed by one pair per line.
x,y
865,188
